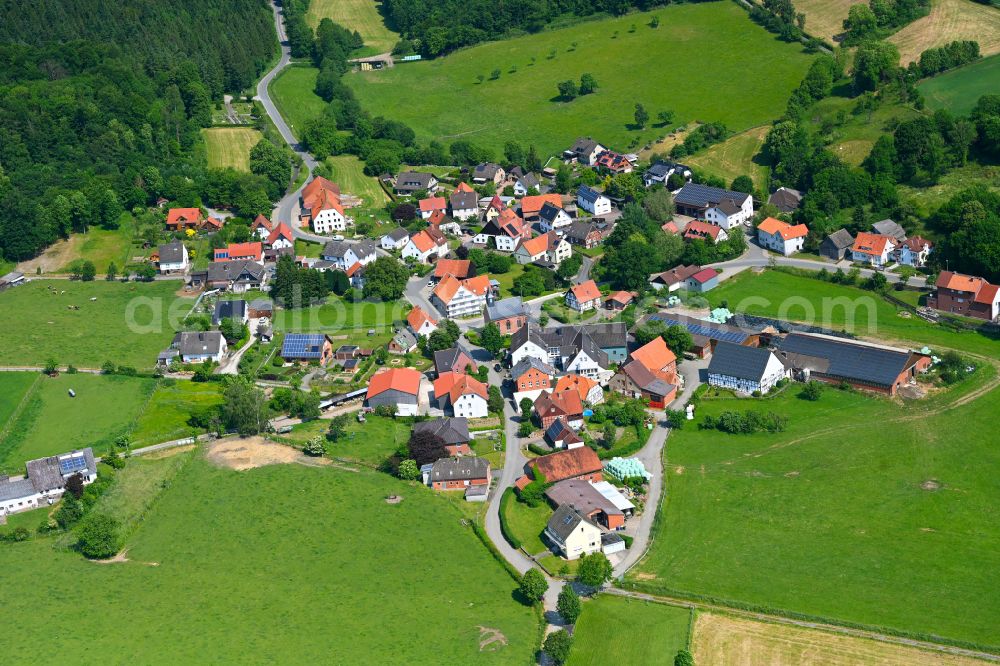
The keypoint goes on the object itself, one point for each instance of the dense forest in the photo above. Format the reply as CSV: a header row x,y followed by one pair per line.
x,y
100,106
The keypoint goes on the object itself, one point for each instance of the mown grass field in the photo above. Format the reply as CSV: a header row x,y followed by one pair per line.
x,y
723,639
863,510
53,422
337,314
628,631
734,157
947,21
744,83
171,405
13,387
348,172
788,296
360,15
825,18
229,147
293,94
960,89
527,524
370,442
128,324
299,563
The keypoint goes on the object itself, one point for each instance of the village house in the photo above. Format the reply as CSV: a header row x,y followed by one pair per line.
x,y
197,347
586,350
650,375
395,239
572,533
453,431
454,359
891,229
461,298
548,247
236,276
965,295
402,342
398,388
566,406
464,204
698,230
342,255
862,365
660,172
836,245
240,252
782,237
561,436
589,391
307,347
426,246
531,206
914,251
45,479
592,201
613,163
231,309
457,268
461,394
702,281
583,297
261,308
619,300
785,199
674,279
411,182
509,314
873,249
488,172
531,377
585,498
321,207
506,231
431,205
745,369
553,218
585,151
172,257
446,225
182,219
587,234
723,208
420,323
281,237
524,183
463,473
261,227
579,463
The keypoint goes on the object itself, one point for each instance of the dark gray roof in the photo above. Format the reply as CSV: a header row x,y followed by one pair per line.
x,y
404,338
445,359
549,212
460,469
48,473
785,199
453,430
703,196
336,248
171,253
579,230
646,380
841,238
398,234
582,496
198,343
592,338
261,304
584,146
609,335
487,170
529,180
413,180
700,327
728,206
529,362
229,310
849,359
508,307
739,361
364,248
13,276
233,270
588,193
464,200
564,521
889,228
15,489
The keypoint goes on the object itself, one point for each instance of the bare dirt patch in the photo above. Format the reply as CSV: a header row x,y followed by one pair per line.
x,y
56,256
252,452
931,484
723,640
490,639
393,499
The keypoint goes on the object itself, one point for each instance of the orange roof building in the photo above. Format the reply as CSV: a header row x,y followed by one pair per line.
x,y
282,236
432,204
584,296
874,249
464,395
965,295
578,463
459,268
587,389
705,231
420,322
240,251
781,236
531,206
656,356
184,218
398,387
461,298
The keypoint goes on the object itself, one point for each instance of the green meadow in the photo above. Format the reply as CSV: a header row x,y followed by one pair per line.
x,y
628,631
960,89
166,415
293,94
705,62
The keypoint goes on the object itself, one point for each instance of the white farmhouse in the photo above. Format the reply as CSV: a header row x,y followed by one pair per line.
x,y
781,236
592,201
745,369
173,257
572,533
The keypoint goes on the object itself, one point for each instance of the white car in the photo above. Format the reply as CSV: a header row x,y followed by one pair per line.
x,y
338,237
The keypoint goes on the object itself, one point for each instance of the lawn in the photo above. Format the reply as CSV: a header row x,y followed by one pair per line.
x,y
360,15
298,564
128,323
745,82
960,89
230,146
775,293
950,20
293,94
337,314
734,157
370,442
100,246
308,249
527,524
14,386
608,630
348,172
54,422
166,416
862,511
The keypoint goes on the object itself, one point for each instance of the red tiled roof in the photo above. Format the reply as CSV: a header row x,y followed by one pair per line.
x,y
699,229
567,464
464,187
655,355
775,226
988,294
280,231
586,291
178,215
460,268
478,285
404,380
536,246
623,297
457,384
578,383
871,244
917,243
318,184
704,275
447,288
261,221
422,241
433,203
417,317
531,205
214,222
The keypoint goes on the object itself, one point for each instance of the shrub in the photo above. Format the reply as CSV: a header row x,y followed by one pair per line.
x,y
568,604
533,585
812,391
99,538
557,646
314,447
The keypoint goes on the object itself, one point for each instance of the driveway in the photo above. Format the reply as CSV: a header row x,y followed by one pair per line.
x,y
230,366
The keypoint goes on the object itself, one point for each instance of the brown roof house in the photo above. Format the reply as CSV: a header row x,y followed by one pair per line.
x,y
454,431
578,463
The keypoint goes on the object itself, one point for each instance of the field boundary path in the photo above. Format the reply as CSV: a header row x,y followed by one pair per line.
x,y
805,624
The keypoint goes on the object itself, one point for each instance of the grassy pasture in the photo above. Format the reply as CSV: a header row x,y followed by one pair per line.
x,y
43,326
609,628
13,387
370,442
527,524
286,543
947,21
337,314
172,403
744,83
348,172
852,139
53,422
861,510
360,15
230,146
734,157
960,89
825,18
101,246
928,199
293,94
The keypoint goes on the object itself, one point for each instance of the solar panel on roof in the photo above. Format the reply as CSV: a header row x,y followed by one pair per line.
x,y
72,464
704,330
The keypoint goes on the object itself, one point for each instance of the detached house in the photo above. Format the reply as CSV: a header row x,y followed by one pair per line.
x,y
592,201
651,375
464,205
465,396
587,234
781,236
585,151
547,247
965,295
410,182
45,480
583,297
200,346
395,239
579,463
426,246
674,279
914,251
553,406
723,208
431,205
237,276
173,258
307,347
836,245
531,206
261,227
420,323
454,432
584,350
508,314
488,173
343,255
531,378
506,231
613,163
181,219
873,249
402,342
698,230
553,218
589,391
785,199
572,533
454,359
321,206
524,183
466,473
240,252
398,387
659,173
281,237
461,298
891,229
745,369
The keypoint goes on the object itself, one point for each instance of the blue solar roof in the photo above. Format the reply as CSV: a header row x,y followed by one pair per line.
x,y
72,464
303,345
705,330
